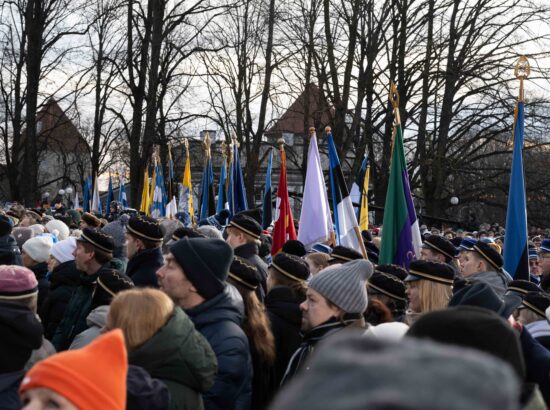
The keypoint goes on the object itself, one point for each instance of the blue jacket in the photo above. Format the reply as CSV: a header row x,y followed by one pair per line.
x,y
219,320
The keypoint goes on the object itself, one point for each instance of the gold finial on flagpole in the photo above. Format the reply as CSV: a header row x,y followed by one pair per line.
x,y
311,131
394,100
522,71
328,130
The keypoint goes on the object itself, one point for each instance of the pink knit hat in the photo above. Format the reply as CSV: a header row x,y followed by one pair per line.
x,y
16,282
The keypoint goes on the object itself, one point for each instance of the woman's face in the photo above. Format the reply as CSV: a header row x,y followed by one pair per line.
x,y
52,263
45,399
413,296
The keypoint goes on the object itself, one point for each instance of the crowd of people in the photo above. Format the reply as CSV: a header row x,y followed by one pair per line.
x,y
128,311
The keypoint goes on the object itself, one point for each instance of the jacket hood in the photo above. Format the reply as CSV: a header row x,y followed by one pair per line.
x,y
65,274
179,353
228,305
98,316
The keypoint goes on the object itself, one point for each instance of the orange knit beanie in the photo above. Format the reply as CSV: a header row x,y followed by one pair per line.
x,y
93,377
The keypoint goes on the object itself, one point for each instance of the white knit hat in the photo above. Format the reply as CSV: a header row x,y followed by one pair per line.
x,y
394,331
63,250
345,285
58,228
38,248
37,229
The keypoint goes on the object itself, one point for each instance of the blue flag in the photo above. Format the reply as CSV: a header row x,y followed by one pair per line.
x,y
222,192
122,193
110,197
208,207
237,192
159,194
87,194
267,209
516,257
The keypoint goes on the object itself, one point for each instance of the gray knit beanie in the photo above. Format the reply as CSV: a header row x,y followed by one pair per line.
x,y
345,285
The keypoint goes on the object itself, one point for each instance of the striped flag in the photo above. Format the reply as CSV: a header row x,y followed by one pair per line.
x,y
76,204
516,257
236,192
283,229
122,193
267,205
110,197
315,219
87,194
222,190
186,193
145,197
364,205
347,233
208,207
96,200
400,233
159,194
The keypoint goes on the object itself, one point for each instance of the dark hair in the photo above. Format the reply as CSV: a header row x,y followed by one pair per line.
x,y
146,242
377,312
100,256
256,325
299,288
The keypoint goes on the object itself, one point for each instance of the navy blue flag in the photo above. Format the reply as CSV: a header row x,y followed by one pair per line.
x,y
222,192
110,197
208,207
237,193
516,257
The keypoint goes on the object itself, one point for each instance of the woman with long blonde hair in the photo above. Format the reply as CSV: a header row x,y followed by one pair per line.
x,y
162,339
430,286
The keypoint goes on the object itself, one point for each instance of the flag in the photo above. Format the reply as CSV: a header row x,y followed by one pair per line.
x,y
516,258
76,204
145,198
87,193
364,203
208,206
400,233
237,192
283,230
222,191
122,193
267,211
171,192
110,197
315,219
159,194
345,219
96,200
186,194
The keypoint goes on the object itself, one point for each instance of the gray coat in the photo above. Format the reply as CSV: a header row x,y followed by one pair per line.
x,y
498,281
96,321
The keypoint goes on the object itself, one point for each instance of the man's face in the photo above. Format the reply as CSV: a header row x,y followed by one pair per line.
x,y
412,295
174,283
316,311
82,224
544,263
133,245
234,238
470,264
82,257
27,221
28,262
534,266
429,255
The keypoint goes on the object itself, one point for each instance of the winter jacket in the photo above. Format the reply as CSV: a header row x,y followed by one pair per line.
x,y
145,393
540,330
78,309
496,280
40,270
96,321
219,320
9,390
283,309
312,337
181,358
10,254
249,251
64,279
143,266
537,363
43,352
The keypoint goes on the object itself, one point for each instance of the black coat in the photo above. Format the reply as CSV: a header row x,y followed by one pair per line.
x,y
283,309
249,251
40,270
143,266
64,279
10,254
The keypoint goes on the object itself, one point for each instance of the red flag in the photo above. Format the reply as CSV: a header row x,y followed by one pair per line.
x,y
284,224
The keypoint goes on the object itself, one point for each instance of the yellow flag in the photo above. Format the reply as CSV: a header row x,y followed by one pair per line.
x,y
145,204
364,212
187,205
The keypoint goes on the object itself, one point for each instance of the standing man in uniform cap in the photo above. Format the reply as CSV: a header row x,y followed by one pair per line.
x,y
93,254
144,237
194,275
544,264
243,235
336,298
438,249
484,264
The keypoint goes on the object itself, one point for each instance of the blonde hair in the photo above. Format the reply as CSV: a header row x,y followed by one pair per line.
x,y
320,259
139,313
432,295
248,238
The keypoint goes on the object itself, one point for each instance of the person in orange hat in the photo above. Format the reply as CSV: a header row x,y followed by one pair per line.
x,y
93,377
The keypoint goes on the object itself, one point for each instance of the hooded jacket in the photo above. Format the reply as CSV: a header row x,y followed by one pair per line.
x,y
143,266
283,309
496,280
10,254
64,279
181,358
96,321
219,320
